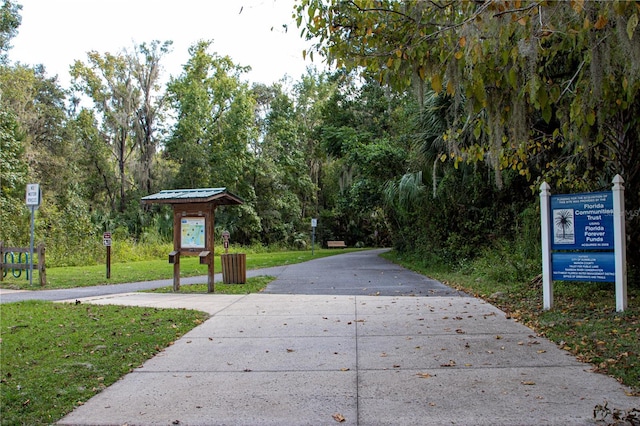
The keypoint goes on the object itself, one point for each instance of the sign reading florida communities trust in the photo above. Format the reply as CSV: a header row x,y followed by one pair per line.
x,y
582,221
583,239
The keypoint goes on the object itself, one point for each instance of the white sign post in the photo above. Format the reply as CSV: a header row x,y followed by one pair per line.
x,y
33,199
314,224
619,242
547,283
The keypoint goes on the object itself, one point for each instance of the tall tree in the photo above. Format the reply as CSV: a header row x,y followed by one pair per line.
x,y
214,128
96,176
13,180
38,103
146,69
10,20
362,136
214,114
107,79
281,175
311,93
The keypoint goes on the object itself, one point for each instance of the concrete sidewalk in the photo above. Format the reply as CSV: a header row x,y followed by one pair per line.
x,y
266,359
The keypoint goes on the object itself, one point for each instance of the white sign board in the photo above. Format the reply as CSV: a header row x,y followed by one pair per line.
x,y
314,223
33,194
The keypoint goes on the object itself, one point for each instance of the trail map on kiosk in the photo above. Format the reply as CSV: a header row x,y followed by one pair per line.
x,y
192,229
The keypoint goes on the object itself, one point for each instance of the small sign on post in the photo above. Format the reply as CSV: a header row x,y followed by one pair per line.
x,y
225,241
314,224
33,199
106,240
33,195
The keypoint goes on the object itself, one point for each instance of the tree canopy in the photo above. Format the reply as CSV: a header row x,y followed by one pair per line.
x,y
548,89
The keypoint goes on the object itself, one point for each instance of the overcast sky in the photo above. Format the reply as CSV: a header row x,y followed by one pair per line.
x,y
55,33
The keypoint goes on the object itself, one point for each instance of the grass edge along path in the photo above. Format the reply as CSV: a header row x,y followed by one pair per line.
x,y
583,321
149,270
56,356
253,285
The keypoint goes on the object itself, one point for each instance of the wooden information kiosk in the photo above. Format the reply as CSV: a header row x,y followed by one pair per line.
x,y
193,224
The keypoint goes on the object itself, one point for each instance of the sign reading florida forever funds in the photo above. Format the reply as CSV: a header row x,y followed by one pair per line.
x,y
582,221
583,239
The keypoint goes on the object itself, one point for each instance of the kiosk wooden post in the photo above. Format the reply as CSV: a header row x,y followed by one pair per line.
x,y
193,225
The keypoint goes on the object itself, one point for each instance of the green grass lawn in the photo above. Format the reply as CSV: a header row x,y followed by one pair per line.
x,y
56,356
253,285
84,276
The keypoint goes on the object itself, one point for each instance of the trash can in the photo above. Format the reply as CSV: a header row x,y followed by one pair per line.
x,y
234,268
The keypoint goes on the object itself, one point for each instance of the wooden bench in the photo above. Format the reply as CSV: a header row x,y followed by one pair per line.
x,y
336,244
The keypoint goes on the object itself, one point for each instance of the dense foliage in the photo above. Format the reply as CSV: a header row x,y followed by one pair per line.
x,y
433,132
524,91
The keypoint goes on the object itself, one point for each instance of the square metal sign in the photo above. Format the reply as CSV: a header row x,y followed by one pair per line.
x,y
33,195
582,221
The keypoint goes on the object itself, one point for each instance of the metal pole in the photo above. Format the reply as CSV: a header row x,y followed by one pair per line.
x,y
31,247
313,239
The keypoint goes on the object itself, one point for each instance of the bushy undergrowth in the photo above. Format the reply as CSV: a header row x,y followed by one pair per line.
x,y
94,252
505,262
128,250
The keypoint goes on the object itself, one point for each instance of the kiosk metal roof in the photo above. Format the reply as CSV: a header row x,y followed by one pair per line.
x,y
218,196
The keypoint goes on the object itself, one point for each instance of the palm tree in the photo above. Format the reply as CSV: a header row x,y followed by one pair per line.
x,y
564,220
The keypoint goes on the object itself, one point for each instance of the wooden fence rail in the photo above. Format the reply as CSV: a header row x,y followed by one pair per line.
x,y
8,261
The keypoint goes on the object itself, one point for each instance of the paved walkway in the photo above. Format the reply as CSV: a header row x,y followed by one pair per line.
x,y
425,355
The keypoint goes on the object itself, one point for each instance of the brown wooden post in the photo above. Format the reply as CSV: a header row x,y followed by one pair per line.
x,y
108,261
176,248
210,245
41,265
1,260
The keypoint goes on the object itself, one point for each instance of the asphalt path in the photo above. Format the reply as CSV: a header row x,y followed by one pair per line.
x,y
362,273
